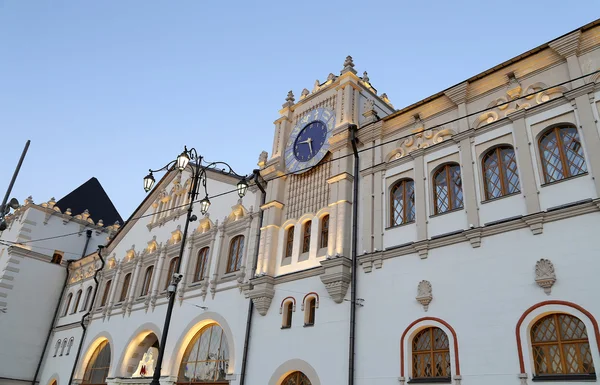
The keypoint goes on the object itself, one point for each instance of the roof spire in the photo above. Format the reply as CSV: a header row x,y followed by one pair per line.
x,y
289,100
348,65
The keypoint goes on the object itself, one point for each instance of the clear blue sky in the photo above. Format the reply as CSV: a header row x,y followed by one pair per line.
x,y
112,88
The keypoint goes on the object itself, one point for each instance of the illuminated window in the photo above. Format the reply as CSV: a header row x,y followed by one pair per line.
x,y
561,153
310,308
147,280
98,366
206,359
125,287
288,308
296,378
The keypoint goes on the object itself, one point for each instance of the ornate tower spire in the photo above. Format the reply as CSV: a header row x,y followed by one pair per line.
x,y
348,65
289,100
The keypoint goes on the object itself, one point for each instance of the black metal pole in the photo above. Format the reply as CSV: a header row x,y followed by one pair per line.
x,y
353,129
196,172
14,178
254,265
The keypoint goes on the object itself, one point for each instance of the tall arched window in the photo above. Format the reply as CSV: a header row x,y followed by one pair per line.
x,y
310,308
125,288
402,205
324,231
172,266
288,309
106,293
306,236
88,296
67,304
147,280
447,188
561,153
236,250
201,264
289,242
560,346
63,346
296,378
500,173
98,366
70,345
431,354
76,304
206,359
56,347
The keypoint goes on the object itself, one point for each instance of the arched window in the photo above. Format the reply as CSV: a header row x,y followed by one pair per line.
x,y
201,264
560,346
296,378
288,308
500,173
206,359
236,250
324,231
86,300
431,354
106,293
402,205
147,279
306,236
447,188
172,266
309,311
98,366
76,304
63,346
289,242
56,347
125,288
70,345
67,304
561,153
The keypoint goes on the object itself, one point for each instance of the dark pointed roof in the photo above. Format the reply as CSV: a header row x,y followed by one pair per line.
x,y
91,196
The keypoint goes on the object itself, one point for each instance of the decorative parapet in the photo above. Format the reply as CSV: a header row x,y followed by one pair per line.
x,y
545,275
261,291
336,277
424,294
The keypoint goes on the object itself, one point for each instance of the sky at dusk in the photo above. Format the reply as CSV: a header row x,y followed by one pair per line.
x,y
112,88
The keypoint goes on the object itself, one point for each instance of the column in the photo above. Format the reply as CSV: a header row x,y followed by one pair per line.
x,y
525,162
136,274
420,194
158,266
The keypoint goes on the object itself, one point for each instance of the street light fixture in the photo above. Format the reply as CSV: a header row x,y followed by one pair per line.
x,y
198,168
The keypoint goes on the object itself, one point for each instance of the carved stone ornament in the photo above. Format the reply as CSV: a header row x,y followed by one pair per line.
x,y
421,138
424,294
262,293
545,275
336,277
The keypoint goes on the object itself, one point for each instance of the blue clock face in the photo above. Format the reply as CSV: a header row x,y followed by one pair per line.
x,y
310,141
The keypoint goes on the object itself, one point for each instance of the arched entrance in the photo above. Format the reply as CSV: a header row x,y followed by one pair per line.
x,y
141,362
97,368
296,378
206,359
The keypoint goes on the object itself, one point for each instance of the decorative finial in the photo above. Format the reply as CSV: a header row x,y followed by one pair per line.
x,y
385,98
262,159
365,77
85,214
305,93
317,86
29,200
100,223
68,212
348,65
331,77
52,202
290,97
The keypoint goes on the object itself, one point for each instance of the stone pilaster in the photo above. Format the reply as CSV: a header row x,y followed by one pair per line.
x,y
468,177
420,194
568,47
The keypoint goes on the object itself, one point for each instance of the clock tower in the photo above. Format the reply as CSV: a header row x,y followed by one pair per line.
x,y
308,207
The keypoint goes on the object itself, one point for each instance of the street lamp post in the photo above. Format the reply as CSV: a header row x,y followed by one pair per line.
x,y
198,168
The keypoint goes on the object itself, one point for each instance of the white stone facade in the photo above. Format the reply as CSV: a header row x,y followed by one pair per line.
x,y
483,267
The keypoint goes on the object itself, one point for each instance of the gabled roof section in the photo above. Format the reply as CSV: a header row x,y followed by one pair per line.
x,y
92,197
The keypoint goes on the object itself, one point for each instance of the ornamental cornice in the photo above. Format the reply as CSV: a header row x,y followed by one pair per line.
x,y
270,204
340,177
458,93
583,90
370,132
567,45
470,133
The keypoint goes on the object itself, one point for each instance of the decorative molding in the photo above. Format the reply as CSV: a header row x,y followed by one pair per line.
x,y
336,277
567,45
311,294
545,275
424,294
421,138
474,236
458,93
261,291
293,304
